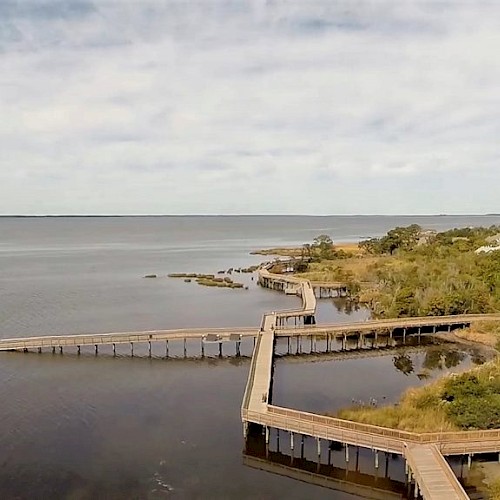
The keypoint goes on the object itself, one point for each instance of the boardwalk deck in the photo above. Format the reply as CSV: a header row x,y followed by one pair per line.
x,y
123,337
387,324
259,390
433,474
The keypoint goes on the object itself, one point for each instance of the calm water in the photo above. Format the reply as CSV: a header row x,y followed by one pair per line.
x,y
85,428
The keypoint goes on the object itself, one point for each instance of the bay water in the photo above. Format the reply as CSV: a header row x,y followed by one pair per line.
x,y
103,427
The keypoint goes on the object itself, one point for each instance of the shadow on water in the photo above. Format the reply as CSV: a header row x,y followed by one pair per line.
x,y
353,473
330,470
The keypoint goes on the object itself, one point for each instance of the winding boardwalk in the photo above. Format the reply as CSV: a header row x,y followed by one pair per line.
x,y
423,452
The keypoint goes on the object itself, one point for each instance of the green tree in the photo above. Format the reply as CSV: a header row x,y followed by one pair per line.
x,y
323,246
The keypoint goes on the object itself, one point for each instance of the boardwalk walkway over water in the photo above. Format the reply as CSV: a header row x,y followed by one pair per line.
x,y
222,334
433,474
423,452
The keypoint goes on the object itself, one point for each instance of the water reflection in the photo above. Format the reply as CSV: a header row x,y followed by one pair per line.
x,y
330,470
403,363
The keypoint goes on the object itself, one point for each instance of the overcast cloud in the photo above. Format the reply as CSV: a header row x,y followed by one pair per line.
x,y
318,107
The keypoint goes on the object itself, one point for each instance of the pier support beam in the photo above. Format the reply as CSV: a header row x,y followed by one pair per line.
x,y
347,453
96,349
185,349
291,442
132,349
114,349
376,459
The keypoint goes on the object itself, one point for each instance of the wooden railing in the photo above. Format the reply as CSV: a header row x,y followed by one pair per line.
x,y
427,437
251,376
119,337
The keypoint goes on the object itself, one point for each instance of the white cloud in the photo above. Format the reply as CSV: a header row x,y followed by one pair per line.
x,y
183,107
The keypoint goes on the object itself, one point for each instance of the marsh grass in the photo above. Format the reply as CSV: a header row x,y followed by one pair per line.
x,y
419,410
470,400
483,332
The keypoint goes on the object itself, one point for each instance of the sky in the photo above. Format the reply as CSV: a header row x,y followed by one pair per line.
x,y
249,107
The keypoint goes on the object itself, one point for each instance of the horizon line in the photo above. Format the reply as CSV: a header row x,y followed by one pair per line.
x,y
248,215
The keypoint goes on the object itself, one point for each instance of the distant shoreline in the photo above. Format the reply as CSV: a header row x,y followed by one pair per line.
x,y
92,216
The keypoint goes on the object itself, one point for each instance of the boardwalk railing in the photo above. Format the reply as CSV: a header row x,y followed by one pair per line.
x,y
120,337
391,324
251,376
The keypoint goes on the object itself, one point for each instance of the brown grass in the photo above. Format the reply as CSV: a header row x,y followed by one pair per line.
x,y
349,247
418,411
361,268
483,332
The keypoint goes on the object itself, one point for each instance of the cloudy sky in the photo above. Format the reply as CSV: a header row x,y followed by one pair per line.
x,y
249,106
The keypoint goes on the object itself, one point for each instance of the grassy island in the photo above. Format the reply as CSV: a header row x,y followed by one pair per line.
x,y
209,279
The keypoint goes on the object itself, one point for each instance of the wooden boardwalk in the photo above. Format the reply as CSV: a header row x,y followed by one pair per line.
x,y
387,325
433,475
423,452
44,341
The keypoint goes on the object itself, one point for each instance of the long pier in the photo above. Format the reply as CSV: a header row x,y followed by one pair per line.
x,y
423,453
205,335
